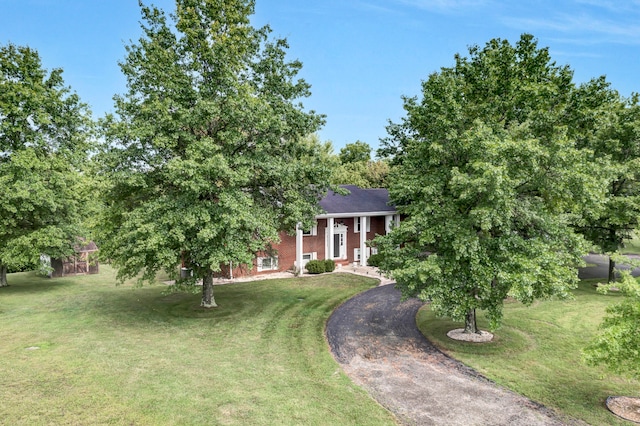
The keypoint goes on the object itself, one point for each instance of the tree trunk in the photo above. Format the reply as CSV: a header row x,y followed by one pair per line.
x,y
612,272
3,275
207,291
470,325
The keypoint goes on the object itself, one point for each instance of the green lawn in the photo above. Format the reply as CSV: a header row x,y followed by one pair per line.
x,y
82,351
537,353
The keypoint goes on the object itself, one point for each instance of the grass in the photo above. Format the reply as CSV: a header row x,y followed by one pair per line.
x,y
632,245
82,351
537,353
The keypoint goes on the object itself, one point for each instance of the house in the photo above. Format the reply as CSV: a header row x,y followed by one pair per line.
x,y
340,233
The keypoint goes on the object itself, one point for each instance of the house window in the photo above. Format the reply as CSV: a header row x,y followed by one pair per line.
x,y
356,253
267,263
308,256
311,232
357,225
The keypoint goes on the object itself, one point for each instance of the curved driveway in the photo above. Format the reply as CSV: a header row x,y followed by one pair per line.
x,y
375,338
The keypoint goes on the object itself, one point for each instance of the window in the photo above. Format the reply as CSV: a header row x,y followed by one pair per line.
x,y
311,232
267,263
356,253
357,225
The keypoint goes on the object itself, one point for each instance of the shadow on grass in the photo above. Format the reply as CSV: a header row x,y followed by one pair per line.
x,y
236,302
25,283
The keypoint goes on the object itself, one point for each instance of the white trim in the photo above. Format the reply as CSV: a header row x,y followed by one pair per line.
x,y
311,233
363,241
310,256
354,214
331,232
356,254
357,221
299,249
274,263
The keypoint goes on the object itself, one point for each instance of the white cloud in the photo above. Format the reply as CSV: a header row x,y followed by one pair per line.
x,y
587,25
444,5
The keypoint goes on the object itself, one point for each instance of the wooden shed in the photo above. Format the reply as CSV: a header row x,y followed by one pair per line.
x,y
85,261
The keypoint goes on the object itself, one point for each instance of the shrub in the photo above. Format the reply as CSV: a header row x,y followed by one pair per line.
x,y
315,266
329,265
374,260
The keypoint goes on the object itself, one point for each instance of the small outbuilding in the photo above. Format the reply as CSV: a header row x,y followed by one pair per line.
x,y
84,261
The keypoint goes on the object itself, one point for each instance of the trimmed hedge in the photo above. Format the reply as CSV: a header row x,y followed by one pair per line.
x,y
320,266
329,265
315,266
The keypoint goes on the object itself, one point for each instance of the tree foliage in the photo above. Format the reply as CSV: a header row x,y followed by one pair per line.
x,y
610,126
355,152
355,167
490,179
207,161
44,138
618,344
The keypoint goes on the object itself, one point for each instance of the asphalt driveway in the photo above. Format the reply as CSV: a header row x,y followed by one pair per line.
x,y
375,338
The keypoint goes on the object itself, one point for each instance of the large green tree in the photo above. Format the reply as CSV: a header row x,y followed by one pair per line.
x,y
44,137
490,182
208,159
602,121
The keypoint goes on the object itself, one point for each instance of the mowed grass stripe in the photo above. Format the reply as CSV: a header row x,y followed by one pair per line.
x,y
128,355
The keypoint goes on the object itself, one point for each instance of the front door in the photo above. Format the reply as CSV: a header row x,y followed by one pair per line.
x,y
339,242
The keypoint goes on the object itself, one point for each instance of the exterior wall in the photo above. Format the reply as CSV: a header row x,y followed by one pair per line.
x,y
286,249
316,243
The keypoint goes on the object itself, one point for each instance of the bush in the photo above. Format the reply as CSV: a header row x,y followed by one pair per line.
x,y
316,266
329,265
374,260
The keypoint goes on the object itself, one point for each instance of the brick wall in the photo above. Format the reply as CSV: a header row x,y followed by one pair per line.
x,y
286,250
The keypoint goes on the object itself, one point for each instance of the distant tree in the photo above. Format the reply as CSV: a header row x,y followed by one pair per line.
x,y
356,167
355,152
610,126
617,343
208,161
44,138
365,174
486,175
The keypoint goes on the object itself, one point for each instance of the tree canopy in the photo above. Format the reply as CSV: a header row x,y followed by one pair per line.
x,y
44,138
208,159
355,167
490,179
357,151
610,126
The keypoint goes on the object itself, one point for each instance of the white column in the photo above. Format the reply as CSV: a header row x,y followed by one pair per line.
x,y
363,239
299,248
330,224
396,218
387,223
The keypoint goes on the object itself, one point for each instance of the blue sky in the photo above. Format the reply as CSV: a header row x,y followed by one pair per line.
x,y
360,56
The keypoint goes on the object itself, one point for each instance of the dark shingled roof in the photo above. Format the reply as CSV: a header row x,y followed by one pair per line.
x,y
358,201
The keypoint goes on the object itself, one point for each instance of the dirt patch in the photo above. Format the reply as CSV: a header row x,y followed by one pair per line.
x,y
479,337
375,338
625,407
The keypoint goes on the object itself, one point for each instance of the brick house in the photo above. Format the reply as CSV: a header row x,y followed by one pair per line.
x,y
340,233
